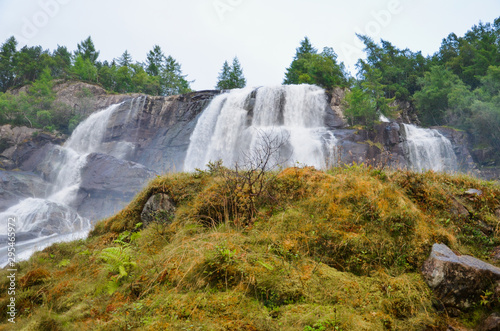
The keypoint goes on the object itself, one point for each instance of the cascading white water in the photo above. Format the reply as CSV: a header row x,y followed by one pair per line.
x,y
52,219
237,123
427,149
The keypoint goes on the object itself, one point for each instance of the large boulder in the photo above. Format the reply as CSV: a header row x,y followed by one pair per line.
x,y
159,207
458,281
108,184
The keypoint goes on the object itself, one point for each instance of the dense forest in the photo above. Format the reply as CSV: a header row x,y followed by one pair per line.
x,y
458,86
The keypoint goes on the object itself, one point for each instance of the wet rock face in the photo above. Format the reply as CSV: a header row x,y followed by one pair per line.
x,y
159,207
460,142
334,118
84,98
381,146
19,144
459,281
16,186
108,184
160,130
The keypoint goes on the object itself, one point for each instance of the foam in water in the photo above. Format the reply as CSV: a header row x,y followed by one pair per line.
x,y
52,219
427,149
239,122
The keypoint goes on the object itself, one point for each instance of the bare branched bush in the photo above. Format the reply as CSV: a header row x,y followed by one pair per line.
x,y
249,180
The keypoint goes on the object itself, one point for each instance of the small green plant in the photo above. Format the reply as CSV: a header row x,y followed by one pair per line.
x,y
221,266
486,298
64,263
119,263
322,326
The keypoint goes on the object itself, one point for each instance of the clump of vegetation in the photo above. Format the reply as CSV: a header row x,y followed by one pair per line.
x,y
322,250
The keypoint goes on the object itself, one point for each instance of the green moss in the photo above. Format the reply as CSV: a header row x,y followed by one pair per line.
x,y
371,144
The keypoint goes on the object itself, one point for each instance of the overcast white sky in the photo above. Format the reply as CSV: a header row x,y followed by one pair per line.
x,y
201,34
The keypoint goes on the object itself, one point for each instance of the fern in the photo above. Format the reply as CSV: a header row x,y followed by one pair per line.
x,y
118,263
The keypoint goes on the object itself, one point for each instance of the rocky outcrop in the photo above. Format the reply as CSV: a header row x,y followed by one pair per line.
x,y
84,98
108,184
490,173
18,144
159,207
335,118
384,145
406,111
16,186
160,130
381,146
458,281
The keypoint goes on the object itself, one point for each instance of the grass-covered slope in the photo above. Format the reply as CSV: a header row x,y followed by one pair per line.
x,y
312,250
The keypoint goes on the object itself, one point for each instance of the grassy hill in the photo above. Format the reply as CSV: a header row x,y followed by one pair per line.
x,y
301,249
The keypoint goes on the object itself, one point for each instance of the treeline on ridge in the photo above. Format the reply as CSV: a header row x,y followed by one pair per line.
x,y
458,86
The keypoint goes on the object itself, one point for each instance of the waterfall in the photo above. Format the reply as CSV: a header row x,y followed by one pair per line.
x,y
239,123
49,220
427,149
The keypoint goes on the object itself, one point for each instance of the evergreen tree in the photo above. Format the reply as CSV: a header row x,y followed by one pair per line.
x,y
223,82
84,69
304,48
29,64
87,51
231,76
125,60
107,75
433,100
61,62
399,69
154,61
7,55
236,75
172,81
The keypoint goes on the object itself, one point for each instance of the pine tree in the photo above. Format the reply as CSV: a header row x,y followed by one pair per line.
x,y
61,66
231,77
154,61
172,81
7,53
125,60
87,50
305,48
236,76
223,79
